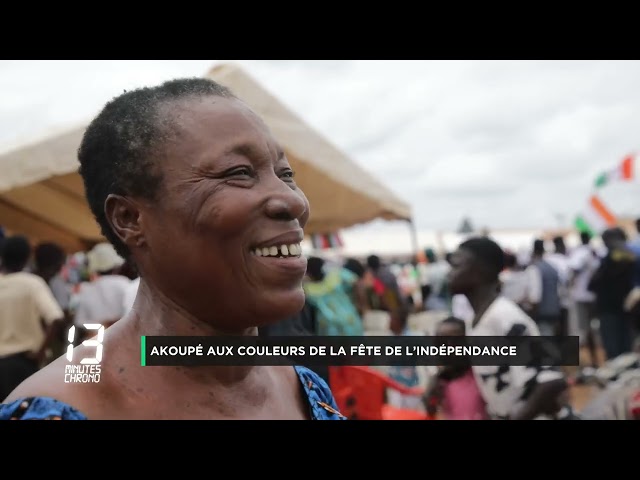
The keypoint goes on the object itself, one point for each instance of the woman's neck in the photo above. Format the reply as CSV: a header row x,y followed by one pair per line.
x,y
153,314
157,315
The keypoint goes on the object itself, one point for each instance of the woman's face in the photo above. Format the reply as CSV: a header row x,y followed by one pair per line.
x,y
227,212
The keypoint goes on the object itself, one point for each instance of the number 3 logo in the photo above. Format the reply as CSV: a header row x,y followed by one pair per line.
x,y
87,343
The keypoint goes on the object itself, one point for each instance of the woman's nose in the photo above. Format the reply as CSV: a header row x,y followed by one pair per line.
x,y
287,204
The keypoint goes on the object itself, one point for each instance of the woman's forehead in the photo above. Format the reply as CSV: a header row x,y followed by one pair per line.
x,y
193,111
221,125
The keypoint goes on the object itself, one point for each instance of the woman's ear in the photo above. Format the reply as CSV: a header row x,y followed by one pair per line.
x,y
125,218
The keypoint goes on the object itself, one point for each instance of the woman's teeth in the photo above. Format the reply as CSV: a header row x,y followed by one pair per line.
x,y
293,250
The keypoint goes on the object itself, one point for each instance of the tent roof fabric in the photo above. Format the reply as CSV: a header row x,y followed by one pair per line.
x,y
42,195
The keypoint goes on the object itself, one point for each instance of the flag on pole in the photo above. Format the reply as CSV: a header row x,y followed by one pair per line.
x,y
336,240
325,241
624,172
595,218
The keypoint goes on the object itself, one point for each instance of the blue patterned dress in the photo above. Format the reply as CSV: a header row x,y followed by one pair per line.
x,y
322,405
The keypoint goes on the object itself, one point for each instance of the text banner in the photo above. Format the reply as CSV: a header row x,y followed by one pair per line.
x,y
363,351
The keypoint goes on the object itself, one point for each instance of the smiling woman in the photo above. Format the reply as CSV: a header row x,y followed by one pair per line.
x,y
189,184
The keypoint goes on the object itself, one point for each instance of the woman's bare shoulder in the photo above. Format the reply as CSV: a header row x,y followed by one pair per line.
x,y
61,384
47,382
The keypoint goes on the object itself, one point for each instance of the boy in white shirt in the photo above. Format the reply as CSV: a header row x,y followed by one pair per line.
x,y
511,392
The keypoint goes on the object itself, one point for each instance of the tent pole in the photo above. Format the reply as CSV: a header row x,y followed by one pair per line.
x,y
414,237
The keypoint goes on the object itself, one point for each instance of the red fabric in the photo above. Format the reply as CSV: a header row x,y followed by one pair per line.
x,y
360,394
378,286
635,406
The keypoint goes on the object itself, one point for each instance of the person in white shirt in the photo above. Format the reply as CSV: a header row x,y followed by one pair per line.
x,y
513,281
583,263
102,300
435,275
49,260
543,292
26,302
559,260
511,392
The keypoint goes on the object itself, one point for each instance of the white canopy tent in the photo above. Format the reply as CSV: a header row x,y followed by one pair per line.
x,y
42,196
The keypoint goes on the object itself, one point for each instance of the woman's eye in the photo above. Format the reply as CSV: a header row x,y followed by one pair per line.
x,y
288,174
240,172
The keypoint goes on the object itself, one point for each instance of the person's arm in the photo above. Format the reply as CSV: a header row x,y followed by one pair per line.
x,y
402,307
360,294
396,309
432,397
356,290
52,315
543,389
52,332
533,280
576,264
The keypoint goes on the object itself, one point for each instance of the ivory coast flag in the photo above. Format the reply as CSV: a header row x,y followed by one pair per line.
x,y
625,171
595,218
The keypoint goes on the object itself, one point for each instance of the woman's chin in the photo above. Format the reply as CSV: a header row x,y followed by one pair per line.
x,y
280,307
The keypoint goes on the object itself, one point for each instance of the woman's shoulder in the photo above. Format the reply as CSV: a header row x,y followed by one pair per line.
x,y
323,405
39,408
46,395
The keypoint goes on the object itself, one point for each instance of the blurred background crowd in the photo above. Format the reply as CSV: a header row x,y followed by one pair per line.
x,y
591,290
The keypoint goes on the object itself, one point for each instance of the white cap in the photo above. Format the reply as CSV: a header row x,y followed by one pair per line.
x,y
103,257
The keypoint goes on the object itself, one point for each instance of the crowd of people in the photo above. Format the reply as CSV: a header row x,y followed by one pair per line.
x,y
44,292
204,223
482,289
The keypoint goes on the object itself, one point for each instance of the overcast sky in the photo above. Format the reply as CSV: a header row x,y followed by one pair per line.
x,y
511,144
